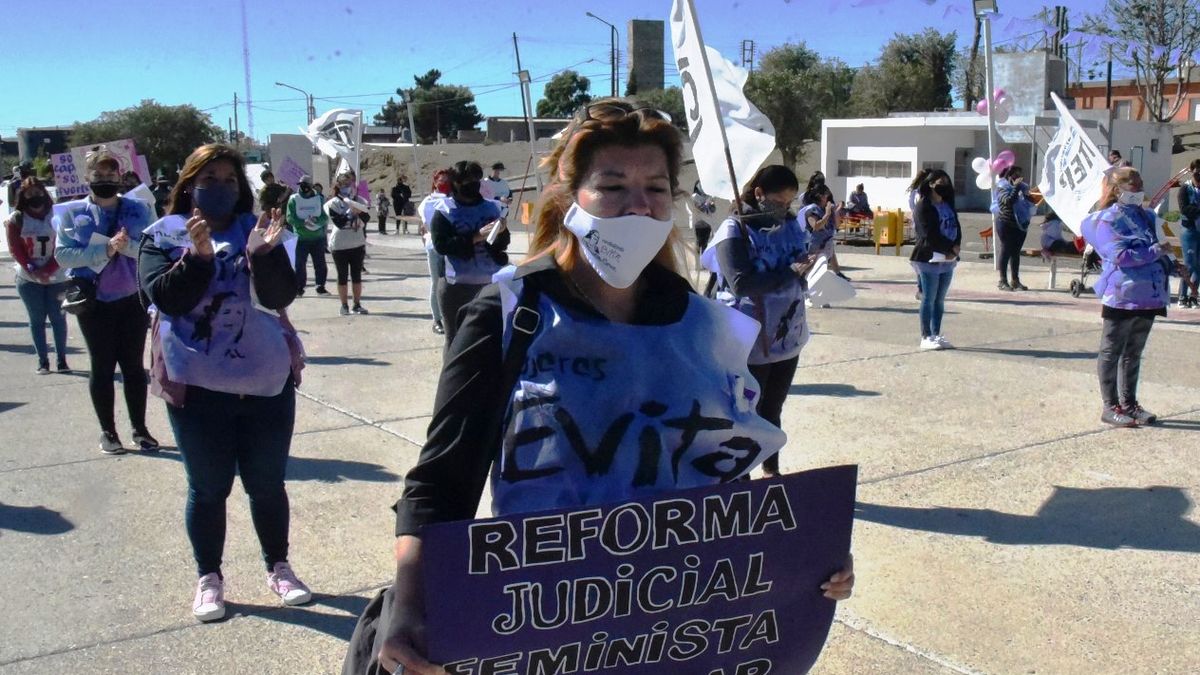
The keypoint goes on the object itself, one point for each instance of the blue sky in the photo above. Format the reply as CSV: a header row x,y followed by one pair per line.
x,y
354,54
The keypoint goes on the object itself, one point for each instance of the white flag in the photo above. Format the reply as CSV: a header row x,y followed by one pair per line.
x,y
338,134
1073,170
739,126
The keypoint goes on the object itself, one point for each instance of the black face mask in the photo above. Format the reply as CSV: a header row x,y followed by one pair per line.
x,y
946,192
37,203
104,189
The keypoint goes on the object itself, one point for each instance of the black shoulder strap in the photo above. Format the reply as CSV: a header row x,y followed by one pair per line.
x,y
525,322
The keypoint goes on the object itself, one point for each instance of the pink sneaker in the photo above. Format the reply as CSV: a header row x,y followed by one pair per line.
x,y
284,583
209,604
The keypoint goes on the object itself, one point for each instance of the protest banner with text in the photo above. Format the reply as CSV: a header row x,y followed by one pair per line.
x,y
722,580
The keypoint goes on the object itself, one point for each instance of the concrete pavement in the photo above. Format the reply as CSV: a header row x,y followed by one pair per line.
x,y
1001,527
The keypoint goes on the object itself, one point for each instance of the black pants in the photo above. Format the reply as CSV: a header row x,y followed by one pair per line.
x,y
316,249
349,264
1120,360
451,298
1011,238
382,221
774,381
115,334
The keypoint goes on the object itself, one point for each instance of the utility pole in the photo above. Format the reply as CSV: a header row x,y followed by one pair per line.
x,y
517,50
748,55
236,142
412,135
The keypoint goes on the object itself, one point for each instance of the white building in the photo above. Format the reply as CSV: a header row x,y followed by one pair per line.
x,y
884,153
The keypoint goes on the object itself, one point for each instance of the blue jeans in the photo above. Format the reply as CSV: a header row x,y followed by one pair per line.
x,y
42,303
222,434
437,276
1189,241
934,286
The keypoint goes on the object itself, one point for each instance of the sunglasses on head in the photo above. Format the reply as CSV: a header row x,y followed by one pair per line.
x,y
606,112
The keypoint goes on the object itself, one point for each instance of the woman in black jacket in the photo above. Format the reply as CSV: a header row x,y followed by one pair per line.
x,y
939,237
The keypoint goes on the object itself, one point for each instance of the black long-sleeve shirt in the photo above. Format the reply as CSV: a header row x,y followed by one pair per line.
x,y
930,240
464,435
176,287
448,241
738,269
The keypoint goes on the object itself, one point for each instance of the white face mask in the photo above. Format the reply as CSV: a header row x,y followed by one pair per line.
x,y
617,248
1131,198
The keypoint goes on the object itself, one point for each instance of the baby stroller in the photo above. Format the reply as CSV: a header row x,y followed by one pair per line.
x,y
1090,264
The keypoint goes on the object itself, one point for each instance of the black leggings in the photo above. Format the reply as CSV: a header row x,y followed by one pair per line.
x,y
774,382
1120,358
115,334
349,264
1011,238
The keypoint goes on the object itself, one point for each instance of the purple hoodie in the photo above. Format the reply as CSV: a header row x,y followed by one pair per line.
x,y
1134,275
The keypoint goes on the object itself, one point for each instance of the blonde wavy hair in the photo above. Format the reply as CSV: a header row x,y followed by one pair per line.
x,y
1114,182
604,123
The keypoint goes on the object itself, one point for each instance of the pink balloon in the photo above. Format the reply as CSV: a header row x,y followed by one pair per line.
x,y
982,107
1003,160
997,93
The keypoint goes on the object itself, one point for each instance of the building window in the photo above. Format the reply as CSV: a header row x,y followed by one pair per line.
x,y
1196,110
873,168
1153,145
1123,110
933,166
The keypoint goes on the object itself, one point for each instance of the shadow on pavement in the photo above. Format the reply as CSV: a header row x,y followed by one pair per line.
x,y
313,468
13,324
1184,425
405,315
6,406
837,390
33,519
18,349
1032,353
340,626
1150,519
345,361
1018,303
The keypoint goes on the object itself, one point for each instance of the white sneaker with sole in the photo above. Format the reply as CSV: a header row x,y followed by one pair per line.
x,y
929,344
209,604
941,340
284,583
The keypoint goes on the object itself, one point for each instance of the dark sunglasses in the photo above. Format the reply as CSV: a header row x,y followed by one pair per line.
x,y
614,111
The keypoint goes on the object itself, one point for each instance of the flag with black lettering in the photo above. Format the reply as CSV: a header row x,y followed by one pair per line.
x,y
710,83
1073,170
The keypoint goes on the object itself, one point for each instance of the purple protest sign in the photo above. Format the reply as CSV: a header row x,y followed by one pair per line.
x,y
722,580
290,173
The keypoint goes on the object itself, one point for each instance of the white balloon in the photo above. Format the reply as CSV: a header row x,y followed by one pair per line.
x,y
1000,115
984,181
980,164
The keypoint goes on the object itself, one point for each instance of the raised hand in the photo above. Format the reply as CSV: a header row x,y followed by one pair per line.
x,y
201,235
118,242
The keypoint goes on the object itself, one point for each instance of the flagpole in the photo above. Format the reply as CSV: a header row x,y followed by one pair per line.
x,y
760,311
712,87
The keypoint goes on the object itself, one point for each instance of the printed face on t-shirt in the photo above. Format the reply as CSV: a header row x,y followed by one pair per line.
x,y
624,181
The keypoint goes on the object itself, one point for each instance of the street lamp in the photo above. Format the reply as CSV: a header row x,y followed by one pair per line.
x,y
613,55
984,10
308,98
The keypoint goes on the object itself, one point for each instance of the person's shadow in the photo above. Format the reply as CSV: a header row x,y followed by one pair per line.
x,y
33,519
1149,519
317,469
340,626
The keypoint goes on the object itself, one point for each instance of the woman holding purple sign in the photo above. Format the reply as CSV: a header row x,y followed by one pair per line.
x,y
96,241
602,294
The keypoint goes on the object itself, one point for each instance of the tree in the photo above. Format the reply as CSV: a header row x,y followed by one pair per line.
x,y
1158,39
912,75
565,93
669,100
437,108
795,88
165,134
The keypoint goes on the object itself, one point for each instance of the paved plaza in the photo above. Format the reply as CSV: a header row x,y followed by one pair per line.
x,y
1001,528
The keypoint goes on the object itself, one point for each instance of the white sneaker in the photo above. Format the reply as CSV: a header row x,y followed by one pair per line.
x,y
282,580
941,340
930,344
209,604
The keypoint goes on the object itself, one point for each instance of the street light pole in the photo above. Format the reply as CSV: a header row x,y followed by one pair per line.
x,y
613,54
984,9
308,99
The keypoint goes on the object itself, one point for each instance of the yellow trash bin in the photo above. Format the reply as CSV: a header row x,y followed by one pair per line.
x,y
887,230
